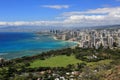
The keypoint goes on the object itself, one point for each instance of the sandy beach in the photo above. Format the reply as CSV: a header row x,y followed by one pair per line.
x,y
77,43
55,38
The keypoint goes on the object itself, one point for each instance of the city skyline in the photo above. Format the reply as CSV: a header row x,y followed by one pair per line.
x,y
59,13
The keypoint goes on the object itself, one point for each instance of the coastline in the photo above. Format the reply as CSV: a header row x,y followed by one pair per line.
x,y
77,43
55,38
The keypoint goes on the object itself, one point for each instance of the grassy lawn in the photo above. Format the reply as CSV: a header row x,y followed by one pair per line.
x,y
57,61
63,61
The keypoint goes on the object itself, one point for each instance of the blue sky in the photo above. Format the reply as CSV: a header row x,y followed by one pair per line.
x,y
50,10
27,10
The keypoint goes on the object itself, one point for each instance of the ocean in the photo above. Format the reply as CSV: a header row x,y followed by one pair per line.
x,y
19,44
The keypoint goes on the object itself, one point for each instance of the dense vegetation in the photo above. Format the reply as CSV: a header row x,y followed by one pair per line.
x,y
90,64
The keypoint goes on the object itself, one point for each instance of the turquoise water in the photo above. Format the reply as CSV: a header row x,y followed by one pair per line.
x,y
14,45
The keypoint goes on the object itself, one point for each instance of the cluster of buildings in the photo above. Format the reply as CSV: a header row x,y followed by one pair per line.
x,y
74,75
106,38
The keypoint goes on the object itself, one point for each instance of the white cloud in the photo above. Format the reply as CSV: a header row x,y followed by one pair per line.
x,y
32,23
56,6
94,17
93,11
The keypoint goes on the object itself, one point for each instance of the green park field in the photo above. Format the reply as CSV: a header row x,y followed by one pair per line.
x,y
57,61
63,61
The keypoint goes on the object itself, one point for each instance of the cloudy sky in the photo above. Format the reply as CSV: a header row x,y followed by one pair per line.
x,y
67,13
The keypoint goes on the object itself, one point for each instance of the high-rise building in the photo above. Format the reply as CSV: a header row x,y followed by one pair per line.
x,y
110,42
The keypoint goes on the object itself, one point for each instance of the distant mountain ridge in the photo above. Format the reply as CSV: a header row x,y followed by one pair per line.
x,y
39,28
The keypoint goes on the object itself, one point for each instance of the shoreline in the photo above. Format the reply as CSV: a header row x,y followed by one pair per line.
x,y
55,38
77,43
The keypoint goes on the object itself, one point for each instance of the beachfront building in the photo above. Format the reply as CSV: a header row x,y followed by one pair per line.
x,y
92,38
